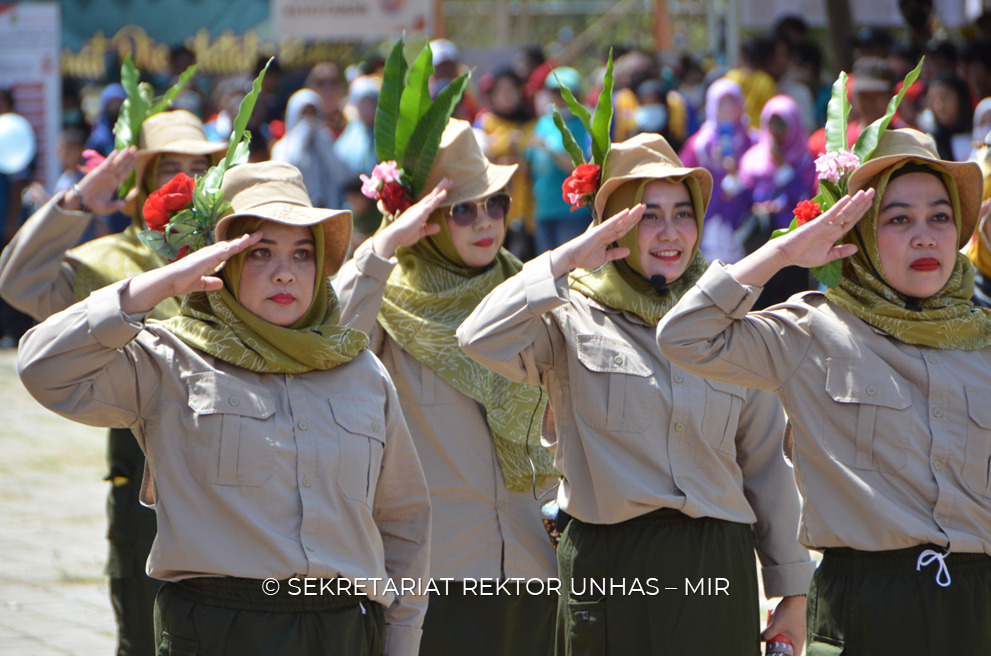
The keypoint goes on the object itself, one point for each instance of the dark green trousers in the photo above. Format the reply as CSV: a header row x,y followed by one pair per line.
x,y
662,583
131,530
467,624
877,603
232,616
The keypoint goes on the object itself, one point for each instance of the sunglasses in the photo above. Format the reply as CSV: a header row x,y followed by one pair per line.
x,y
496,207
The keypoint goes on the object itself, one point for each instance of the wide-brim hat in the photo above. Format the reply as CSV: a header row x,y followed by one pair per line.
x,y
897,146
460,158
177,131
647,156
274,191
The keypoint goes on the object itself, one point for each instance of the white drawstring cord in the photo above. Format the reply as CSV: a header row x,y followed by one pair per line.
x,y
927,557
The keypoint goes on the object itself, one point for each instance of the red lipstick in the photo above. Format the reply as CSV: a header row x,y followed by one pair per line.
x,y
282,299
925,264
485,243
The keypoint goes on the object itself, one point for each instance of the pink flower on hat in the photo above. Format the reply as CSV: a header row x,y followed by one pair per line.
x,y
384,172
832,166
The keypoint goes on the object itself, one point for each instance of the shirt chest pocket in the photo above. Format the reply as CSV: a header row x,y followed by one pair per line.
x,y
723,402
977,460
865,423
612,385
362,445
230,443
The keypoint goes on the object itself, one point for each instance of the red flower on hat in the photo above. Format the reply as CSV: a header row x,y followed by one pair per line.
x,y
806,211
394,197
579,188
168,199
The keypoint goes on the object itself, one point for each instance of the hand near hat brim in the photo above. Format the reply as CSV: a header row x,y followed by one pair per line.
x,y
811,245
594,247
184,276
98,188
411,226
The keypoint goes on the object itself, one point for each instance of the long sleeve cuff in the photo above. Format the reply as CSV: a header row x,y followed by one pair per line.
x,y
787,579
543,291
727,293
371,264
107,322
402,640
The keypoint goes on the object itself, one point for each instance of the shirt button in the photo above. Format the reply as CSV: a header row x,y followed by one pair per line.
x,y
871,390
931,359
306,482
678,378
937,465
937,412
309,546
234,401
303,426
502,506
375,426
679,426
681,482
618,360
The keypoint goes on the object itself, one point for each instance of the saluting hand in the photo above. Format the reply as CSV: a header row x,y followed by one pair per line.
x,y
411,226
189,274
594,247
99,186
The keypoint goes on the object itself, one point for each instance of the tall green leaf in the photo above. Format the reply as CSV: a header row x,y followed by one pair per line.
x,y
602,119
133,110
387,114
415,99
425,140
836,116
570,144
173,91
576,108
244,111
868,139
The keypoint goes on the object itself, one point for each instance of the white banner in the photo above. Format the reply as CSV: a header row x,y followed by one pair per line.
x,y
329,20
29,67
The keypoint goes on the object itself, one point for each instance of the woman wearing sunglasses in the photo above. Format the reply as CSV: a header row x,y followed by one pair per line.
x,y
671,480
477,434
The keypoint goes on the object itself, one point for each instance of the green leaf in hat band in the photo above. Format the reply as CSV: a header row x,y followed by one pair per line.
x,y
415,100
425,140
576,108
830,273
570,144
602,120
867,142
244,111
387,113
173,91
836,115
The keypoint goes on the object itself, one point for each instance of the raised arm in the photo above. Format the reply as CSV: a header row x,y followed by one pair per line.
x,y
709,332
34,276
507,331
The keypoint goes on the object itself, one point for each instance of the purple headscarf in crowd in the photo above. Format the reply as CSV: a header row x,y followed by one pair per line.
x,y
705,149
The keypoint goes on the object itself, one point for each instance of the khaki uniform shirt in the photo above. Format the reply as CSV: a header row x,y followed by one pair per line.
x,y
636,433
892,440
480,528
251,475
36,276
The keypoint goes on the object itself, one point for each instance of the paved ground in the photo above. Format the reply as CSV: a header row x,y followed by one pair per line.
x,y
53,593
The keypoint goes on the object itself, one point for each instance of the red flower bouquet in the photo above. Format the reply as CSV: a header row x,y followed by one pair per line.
x,y
806,211
168,199
579,188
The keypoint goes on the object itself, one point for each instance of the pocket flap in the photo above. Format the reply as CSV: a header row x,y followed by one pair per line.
x,y
728,388
979,406
364,418
601,354
867,381
214,392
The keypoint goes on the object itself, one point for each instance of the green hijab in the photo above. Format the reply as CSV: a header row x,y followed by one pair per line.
x,y
215,322
622,284
429,294
946,320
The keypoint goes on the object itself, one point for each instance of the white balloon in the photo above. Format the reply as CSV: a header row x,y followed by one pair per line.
x,y
17,143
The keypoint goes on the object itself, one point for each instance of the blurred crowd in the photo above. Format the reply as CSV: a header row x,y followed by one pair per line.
x,y
756,127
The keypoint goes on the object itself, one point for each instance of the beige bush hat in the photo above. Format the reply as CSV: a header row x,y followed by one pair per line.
x,y
647,155
177,131
460,159
275,191
896,146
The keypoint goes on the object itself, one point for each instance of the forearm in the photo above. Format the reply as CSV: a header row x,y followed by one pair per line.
x,y
757,268
146,291
360,285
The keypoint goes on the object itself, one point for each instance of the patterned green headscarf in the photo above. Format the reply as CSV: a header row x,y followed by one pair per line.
x,y
946,320
621,284
427,297
215,322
